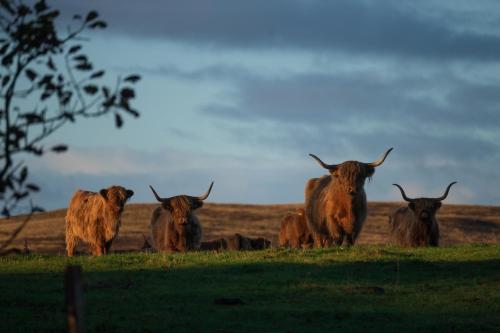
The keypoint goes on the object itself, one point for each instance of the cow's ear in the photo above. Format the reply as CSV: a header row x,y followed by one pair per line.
x,y
129,193
437,205
412,206
104,193
166,205
334,172
370,171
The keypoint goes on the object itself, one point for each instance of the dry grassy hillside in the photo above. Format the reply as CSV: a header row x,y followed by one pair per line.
x,y
459,224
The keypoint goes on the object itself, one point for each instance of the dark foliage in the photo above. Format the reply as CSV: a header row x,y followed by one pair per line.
x,y
39,65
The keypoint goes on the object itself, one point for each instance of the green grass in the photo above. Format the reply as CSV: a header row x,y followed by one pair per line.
x,y
364,288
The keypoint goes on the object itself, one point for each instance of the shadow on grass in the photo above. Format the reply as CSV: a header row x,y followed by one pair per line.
x,y
412,295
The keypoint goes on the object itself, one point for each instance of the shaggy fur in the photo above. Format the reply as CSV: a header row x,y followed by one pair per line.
x,y
294,232
335,204
410,231
416,225
175,227
95,218
236,242
411,227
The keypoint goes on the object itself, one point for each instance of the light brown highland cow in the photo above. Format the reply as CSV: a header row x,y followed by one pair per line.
x,y
335,204
95,218
294,231
416,225
174,226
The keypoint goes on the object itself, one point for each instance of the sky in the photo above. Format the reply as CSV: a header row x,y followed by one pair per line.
x,y
240,92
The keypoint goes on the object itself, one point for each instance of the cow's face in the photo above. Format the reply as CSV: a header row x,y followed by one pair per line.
x,y
351,176
424,209
116,196
181,208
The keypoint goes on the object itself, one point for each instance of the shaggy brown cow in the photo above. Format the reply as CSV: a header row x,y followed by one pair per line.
x,y
95,218
416,224
236,242
336,203
174,225
294,232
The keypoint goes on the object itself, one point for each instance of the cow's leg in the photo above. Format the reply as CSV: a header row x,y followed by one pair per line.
x,y
336,233
107,246
295,243
70,244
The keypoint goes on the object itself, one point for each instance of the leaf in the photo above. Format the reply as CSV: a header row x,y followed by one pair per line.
x,y
74,49
31,74
132,78
84,67
97,74
5,80
40,6
4,48
23,10
105,91
23,175
21,195
33,187
90,89
98,24
59,148
32,118
69,116
118,120
50,64
127,93
132,112
80,58
92,15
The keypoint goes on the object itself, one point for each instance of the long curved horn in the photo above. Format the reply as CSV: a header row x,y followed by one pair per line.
x,y
157,196
441,198
380,160
204,196
404,194
323,164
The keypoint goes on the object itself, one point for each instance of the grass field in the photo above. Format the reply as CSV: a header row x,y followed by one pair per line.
x,y
363,288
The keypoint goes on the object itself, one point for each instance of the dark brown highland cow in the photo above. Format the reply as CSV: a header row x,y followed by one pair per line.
x,y
174,226
95,218
416,224
294,232
336,203
236,242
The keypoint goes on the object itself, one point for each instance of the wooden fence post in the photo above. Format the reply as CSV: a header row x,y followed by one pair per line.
x,y
74,299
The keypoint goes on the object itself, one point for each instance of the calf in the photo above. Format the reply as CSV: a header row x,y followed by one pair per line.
x,y
294,231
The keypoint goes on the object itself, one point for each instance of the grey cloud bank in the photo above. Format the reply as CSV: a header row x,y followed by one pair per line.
x,y
431,90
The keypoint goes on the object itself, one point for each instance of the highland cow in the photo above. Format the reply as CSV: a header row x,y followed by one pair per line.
x,y
95,218
294,231
174,226
335,204
236,242
416,225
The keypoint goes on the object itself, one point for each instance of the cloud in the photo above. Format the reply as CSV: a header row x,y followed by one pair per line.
x,y
388,28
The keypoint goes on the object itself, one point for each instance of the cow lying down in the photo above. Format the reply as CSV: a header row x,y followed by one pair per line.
x,y
236,242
